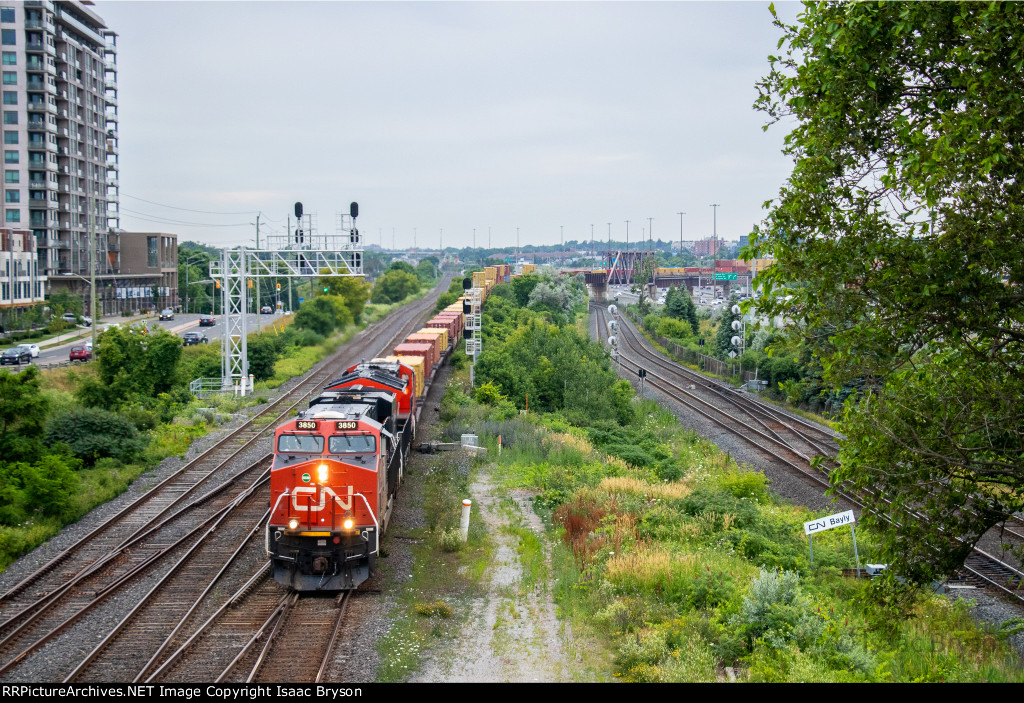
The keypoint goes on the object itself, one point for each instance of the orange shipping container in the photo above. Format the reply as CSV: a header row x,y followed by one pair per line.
x,y
435,345
440,332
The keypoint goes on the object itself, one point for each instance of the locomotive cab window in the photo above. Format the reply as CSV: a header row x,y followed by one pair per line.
x,y
353,444
300,444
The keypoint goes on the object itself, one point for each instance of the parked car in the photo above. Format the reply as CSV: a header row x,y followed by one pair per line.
x,y
207,321
190,338
266,310
79,354
17,356
73,319
32,348
167,314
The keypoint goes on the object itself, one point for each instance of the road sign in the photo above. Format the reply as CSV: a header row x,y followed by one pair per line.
x,y
827,523
725,276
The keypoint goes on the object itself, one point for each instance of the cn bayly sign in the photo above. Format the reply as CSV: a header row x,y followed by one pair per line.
x,y
828,522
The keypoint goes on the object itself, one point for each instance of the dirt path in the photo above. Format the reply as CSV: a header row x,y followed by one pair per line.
x,y
513,634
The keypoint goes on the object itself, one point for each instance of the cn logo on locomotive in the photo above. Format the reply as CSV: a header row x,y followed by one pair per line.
x,y
345,502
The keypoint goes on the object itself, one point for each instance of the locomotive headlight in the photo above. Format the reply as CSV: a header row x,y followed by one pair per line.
x,y
293,524
321,473
348,523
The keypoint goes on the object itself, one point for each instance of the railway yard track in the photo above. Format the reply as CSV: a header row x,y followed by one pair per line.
x,y
151,590
787,441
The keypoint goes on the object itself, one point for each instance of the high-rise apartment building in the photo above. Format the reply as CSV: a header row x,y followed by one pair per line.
x,y
59,64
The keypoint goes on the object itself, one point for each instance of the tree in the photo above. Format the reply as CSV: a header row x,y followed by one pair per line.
x,y
395,285
135,363
354,290
679,304
642,275
426,271
94,433
897,241
319,314
261,351
23,410
723,338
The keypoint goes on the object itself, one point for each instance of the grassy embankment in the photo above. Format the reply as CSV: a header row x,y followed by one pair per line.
x,y
672,562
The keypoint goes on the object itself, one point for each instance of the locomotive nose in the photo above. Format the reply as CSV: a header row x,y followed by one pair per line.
x,y
320,565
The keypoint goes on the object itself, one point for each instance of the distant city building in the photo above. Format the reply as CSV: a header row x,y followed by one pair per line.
x,y
147,277
60,136
21,284
706,247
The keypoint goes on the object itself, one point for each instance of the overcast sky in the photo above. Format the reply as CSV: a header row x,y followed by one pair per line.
x,y
447,116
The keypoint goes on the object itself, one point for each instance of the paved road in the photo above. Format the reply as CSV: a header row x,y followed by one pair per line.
x,y
179,326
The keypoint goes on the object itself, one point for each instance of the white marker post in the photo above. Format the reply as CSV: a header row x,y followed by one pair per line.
x,y
464,526
829,522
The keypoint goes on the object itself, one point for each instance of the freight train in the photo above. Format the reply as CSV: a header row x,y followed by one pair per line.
x,y
338,464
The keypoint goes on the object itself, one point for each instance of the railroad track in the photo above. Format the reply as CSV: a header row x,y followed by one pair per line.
x,y
792,441
171,518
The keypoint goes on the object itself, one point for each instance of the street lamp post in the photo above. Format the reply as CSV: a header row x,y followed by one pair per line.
x,y
188,296
680,235
714,253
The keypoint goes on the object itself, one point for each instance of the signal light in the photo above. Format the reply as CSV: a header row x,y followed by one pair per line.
x,y
279,286
321,473
326,288
250,283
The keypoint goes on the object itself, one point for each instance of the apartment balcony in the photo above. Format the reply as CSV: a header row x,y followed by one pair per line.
x,y
36,124
35,46
35,66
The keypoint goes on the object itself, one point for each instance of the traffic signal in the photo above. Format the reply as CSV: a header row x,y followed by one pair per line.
x,y
250,283
279,286
218,283
326,288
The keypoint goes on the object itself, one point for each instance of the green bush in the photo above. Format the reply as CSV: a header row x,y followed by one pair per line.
x,y
91,433
262,353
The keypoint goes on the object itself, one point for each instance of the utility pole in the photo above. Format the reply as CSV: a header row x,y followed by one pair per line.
x,y
259,319
413,237
627,235
680,235
92,277
650,233
714,255
474,238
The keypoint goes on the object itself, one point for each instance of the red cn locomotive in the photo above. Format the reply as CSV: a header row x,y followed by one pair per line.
x,y
336,470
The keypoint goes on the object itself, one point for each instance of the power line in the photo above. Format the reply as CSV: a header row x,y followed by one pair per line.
x,y
204,212
147,217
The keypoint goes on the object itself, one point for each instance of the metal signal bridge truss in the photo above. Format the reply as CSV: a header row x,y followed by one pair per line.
x,y
299,254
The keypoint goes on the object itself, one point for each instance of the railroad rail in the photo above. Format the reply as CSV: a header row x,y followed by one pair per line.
x,y
202,503
788,437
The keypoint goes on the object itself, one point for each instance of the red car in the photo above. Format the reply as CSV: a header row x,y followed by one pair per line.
x,y
79,354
